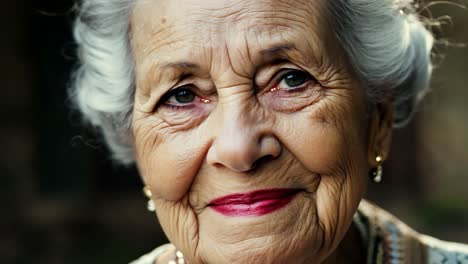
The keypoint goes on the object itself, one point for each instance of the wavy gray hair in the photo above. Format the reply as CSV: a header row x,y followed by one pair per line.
x,y
385,40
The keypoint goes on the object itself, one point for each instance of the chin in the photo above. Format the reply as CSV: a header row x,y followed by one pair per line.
x,y
290,232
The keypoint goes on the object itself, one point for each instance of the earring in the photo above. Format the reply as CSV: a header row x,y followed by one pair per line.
x,y
150,206
377,172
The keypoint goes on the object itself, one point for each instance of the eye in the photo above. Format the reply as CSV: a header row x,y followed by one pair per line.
x,y
294,79
180,96
184,106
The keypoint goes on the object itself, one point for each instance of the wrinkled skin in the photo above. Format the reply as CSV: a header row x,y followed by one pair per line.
x,y
241,130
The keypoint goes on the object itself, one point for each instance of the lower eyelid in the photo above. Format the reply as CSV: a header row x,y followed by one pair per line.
x,y
297,89
178,107
306,84
198,101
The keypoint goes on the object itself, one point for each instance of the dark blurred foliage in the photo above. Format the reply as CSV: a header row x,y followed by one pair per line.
x,y
64,202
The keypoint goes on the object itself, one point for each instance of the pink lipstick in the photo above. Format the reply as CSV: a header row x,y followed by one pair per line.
x,y
254,203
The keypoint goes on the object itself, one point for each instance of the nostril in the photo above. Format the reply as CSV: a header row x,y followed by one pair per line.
x,y
262,160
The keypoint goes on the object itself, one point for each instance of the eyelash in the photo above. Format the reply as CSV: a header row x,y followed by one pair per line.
x,y
281,75
174,92
277,79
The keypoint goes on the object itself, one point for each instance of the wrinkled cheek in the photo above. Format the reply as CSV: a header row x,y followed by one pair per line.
x,y
327,140
333,151
320,149
168,170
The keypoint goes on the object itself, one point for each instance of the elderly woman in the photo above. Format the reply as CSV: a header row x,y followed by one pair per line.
x,y
256,124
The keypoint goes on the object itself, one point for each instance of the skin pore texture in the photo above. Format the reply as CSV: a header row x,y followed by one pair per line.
x,y
215,114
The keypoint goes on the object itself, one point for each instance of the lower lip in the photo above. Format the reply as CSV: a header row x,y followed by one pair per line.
x,y
257,203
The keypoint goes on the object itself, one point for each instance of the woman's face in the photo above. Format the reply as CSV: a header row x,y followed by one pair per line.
x,y
255,99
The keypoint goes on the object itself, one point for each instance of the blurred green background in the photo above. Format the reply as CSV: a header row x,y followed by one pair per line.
x,y
64,202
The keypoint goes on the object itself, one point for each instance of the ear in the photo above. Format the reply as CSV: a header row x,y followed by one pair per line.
x,y
380,131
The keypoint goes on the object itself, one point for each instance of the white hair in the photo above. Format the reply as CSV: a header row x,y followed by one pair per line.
x,y
386,43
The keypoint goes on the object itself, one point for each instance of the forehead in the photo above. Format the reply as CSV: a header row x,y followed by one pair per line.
x,y
222,12
168,29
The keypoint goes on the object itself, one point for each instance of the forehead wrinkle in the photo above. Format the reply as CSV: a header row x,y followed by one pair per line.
x,y
163,40
244,65
269,13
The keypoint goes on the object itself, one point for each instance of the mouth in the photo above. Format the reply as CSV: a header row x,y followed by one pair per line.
x,y
256,203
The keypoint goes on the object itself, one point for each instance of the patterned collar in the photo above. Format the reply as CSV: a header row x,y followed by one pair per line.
x,y
388,240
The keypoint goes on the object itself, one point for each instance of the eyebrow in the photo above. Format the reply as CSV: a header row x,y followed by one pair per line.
x,y
267,54
180,65
276,51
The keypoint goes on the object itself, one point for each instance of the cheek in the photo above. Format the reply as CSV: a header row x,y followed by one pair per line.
x,y
168,163
317,147
333,147
316,144
328,143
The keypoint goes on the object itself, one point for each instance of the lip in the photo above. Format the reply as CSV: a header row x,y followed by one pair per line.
x,y
256,203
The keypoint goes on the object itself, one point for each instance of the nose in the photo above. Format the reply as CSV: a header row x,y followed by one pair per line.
x,y
243,143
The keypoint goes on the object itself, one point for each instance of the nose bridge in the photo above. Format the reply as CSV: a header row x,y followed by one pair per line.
x,y
239,125
238,140
239,110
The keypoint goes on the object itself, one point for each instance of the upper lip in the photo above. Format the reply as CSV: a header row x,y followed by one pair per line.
x,y
253,197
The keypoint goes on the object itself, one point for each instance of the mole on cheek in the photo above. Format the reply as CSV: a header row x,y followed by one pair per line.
x,y
163,20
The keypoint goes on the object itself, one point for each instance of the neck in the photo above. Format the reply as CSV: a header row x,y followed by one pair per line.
x,y
350,250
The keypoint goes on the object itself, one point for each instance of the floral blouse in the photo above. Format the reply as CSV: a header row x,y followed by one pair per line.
x,y
388,241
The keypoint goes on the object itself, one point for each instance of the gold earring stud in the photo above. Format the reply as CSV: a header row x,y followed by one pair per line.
x,y
377,172
150,206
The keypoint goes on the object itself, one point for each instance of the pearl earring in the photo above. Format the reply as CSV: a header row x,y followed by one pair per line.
x,y
377,172
148,194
